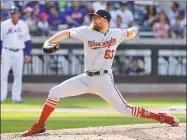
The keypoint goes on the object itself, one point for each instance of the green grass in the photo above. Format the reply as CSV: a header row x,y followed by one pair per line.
x,y
20,121
94,102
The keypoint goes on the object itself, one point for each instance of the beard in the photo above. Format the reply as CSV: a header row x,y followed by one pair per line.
x,y
95,27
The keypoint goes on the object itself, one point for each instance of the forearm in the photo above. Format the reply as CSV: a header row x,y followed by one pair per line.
x,y
59,36
28,48
131,32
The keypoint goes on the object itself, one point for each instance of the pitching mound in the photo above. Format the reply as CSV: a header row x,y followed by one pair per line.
x,y
125,132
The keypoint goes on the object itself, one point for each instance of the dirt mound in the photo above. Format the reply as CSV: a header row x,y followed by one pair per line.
x,y
121,132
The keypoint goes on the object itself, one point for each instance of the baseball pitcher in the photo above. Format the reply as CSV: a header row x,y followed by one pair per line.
x,y
14,38
100,44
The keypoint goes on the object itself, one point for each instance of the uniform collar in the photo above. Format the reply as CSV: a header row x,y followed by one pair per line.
x,y
101,32
16,23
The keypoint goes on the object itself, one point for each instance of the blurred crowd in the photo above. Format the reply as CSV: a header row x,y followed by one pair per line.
x,y
155,19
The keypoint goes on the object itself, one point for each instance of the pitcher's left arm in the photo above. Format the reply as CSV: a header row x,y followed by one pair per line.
x,y
131,32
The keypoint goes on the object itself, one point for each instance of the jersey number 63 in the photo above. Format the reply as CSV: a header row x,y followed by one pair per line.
x,y
109,54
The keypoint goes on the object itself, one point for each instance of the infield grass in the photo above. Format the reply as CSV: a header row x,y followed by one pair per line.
x,y
19,121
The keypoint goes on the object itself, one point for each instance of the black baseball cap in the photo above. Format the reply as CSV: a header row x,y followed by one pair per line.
x,y
102,13
14,10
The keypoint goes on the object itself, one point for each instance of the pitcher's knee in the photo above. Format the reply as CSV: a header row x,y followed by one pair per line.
x,y
54,94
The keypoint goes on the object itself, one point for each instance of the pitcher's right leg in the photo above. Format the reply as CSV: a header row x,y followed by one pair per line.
x,y
108,91
72,87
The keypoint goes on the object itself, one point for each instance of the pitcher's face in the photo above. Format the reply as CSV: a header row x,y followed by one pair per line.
x,y
98,22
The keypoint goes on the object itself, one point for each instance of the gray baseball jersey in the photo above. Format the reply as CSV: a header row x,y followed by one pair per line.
x,y
99,48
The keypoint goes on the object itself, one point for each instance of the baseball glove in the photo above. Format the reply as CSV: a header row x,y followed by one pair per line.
x,y
50,47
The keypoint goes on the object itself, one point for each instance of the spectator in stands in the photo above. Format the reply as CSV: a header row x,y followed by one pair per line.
x,y
89,9
36,11
43,25
99,5
4,16
119,23
182,18
150,16
176,29
113,14
161,28
173,13
46,8
27,13
134,69
62,5
75,15
28,20
140,6
55,18
5,7
126,14
178,25
131,6
30,4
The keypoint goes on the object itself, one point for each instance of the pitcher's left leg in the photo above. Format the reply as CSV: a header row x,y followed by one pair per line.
x,y
17,68
108,91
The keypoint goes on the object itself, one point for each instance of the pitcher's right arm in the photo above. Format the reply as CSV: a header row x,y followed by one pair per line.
x,y
52,44
59,36
73,33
